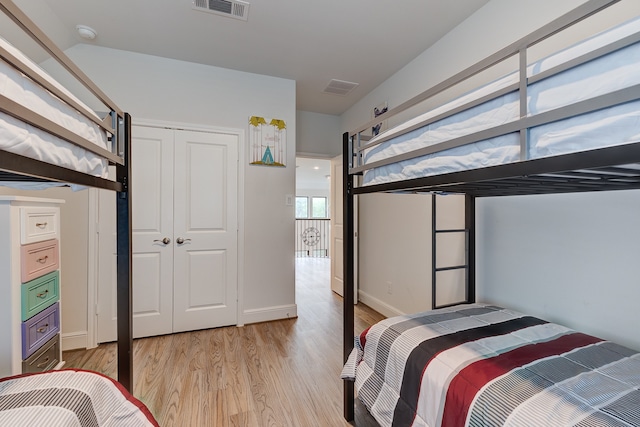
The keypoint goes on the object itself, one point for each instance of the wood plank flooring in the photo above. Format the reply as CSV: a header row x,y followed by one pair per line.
x,y
281,373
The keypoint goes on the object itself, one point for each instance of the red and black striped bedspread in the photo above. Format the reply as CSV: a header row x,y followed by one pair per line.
x,y
482,365
69,398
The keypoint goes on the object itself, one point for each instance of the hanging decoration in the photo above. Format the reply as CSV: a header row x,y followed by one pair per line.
x,y
267,142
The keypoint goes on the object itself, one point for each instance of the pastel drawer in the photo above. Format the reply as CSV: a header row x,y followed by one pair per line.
x,y
45,358
39,223
39,329
39,294
38,259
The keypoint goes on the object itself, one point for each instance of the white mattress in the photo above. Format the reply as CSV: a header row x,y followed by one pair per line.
x,y
614,126
20,138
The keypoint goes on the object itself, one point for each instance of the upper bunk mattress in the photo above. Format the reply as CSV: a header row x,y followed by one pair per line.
x,y
29,141
614,126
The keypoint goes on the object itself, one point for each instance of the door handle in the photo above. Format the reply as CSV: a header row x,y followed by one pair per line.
x,y
166,240
180,240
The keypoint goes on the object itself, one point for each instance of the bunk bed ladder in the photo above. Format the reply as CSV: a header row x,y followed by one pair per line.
x,y
469,256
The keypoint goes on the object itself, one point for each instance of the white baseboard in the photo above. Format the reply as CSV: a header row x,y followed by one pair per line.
x,y
270,313
74,340
379,306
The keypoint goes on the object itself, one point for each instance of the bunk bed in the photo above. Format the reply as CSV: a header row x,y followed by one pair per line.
x,y
49,137
544,129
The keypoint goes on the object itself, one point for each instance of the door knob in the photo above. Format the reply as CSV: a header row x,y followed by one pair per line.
x,y
180,240
166,240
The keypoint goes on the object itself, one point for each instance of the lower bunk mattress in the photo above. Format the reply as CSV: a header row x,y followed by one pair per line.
x,y
482,365
69,398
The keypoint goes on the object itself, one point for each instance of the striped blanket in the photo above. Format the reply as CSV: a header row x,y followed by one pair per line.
x,y
69,398
482,365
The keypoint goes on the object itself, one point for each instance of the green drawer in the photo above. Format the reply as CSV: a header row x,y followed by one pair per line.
x,y
39,294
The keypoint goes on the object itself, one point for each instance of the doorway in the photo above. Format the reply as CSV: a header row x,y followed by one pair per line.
x,y
313,208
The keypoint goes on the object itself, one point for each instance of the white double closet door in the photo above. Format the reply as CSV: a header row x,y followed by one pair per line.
x,y
184,195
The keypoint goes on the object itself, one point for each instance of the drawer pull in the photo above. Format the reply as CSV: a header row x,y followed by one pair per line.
x,y
43,363
43,259
43,329
41,224
43,294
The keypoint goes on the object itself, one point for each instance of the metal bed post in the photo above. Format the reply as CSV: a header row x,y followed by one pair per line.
x,y
470,225
434,257
349,276
124,264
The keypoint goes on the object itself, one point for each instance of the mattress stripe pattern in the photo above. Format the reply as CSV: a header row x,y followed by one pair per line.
x,y
426,351
73,400
469,381
481,365
69,398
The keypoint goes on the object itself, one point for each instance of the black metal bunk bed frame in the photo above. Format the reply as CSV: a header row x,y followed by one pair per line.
x,y
17,168
605,169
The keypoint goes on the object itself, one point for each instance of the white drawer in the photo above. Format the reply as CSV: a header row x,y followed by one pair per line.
x,y
39,223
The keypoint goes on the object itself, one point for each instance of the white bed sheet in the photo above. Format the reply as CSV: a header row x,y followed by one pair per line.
x,y
20,138
615,126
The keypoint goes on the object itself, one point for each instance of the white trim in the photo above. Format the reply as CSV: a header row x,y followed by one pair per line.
x,y
74,340
92,270
240,318
378,305
277,312
187,126
316,156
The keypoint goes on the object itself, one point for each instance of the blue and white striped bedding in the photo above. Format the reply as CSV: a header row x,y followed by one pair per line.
x,y
615,126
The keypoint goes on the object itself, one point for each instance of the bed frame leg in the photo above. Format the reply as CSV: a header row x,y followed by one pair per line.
x,y
349,272
124,265
470,225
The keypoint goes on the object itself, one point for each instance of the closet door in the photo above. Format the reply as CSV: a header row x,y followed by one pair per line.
x,y
205,230
185,188
152,215
152,196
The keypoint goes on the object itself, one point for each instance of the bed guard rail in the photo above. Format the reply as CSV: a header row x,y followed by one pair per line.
x,y
358,138
112,123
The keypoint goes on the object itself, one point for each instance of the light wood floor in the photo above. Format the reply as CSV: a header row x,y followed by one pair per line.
x,y
281,373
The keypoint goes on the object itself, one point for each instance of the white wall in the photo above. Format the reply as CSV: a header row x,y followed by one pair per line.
x,y
567,258
496,25
318,134
157,88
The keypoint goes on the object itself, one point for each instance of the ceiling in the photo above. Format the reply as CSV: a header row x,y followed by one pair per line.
x,y
311,42
313,174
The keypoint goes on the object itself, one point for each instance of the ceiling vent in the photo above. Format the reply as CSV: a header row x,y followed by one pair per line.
x,y
340,87
232,9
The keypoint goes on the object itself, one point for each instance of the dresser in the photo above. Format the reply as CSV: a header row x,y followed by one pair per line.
x,y
29,285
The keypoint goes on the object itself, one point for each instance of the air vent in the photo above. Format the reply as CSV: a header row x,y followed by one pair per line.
x,y
340,87
232,9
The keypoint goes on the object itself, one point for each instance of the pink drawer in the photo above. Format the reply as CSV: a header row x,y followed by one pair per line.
x,y
38,259
39,329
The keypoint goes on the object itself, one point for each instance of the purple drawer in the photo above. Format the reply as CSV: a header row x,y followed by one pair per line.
x,y
39,329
